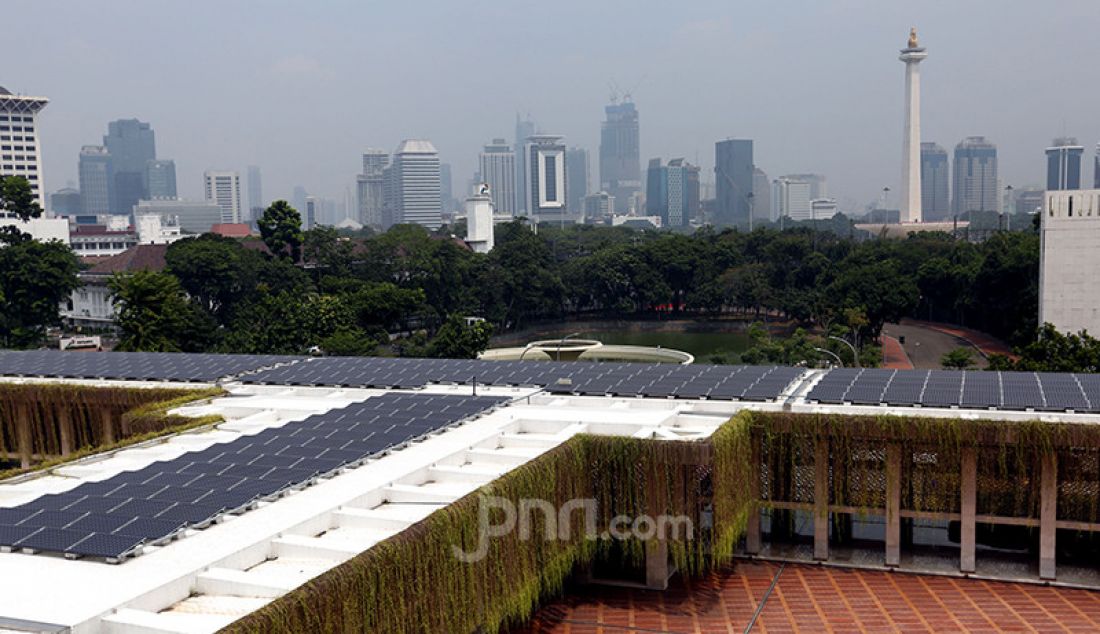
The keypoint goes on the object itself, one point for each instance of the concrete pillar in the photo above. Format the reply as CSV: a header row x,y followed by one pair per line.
x,y
893,504
752,531
821,498
968,498
65,430
24,438
656,564
108,423
1048,511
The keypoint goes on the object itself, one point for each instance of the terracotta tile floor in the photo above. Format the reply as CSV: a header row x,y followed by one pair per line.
x,y
816,599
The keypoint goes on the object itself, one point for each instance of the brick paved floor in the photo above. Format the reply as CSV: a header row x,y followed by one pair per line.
x,y
819,599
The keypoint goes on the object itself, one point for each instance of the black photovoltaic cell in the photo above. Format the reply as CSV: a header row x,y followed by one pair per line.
x,y
151,366
114,517
1043,391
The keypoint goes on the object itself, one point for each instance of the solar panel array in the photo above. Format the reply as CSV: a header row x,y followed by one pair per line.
x,y
136,366
584,378
1039,391
114,517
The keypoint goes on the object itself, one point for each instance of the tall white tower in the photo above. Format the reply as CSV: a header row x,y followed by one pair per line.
x,y
479,220
912,55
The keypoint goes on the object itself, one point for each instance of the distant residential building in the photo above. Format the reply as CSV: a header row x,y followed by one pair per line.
x,y
620,156
161,176
576,177
1064,164
100,240
733,175
20,151
817,183
934,177
224,188
416,184
545,156
131,144
256,203
370,187
599,208
525,128
497,163
761,195
793,198
309,215
66,202
974,185
95,180
672,192
191,216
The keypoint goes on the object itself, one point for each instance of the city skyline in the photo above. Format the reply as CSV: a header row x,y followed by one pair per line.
x,y
855,89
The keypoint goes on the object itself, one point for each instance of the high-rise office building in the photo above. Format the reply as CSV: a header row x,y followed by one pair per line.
x,y
620,157
761,195
224,188
370,187
599,208
576,178
1064,164
95,180
65,202
20,153
256,204
934,176
793,198
298,199
656,189
310,213
192,216
497,163
733,173
446,190
974,187
132,145
161,176
525,128
683,194
817,183
545,157
415,184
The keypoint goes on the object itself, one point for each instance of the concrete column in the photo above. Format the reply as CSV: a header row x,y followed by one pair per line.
x,y
821,499
108,423
968,498
893,504
752,531
24,438
65,430
656,564
1048,511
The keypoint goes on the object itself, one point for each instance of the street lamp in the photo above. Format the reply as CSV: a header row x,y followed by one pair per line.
x,y
1005,215
833,354
855,353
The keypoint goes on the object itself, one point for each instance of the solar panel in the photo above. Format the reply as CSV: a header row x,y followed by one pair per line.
x,y
152,366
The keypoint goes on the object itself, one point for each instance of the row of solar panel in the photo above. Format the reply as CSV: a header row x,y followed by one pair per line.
x,y
139,366
114,517
1039,391
584,378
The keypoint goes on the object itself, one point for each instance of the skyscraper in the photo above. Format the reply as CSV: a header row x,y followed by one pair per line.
x,y
525,128
545,156
975,181
683,193
656,189
161,176
911,205
620,156
371,187
95,180
761,195
22,155
132,145
298,199
733,170
576,178
224,188
446,190
1064,164
934,174
416,184
309,215
255,194
793,197
65,202
497,163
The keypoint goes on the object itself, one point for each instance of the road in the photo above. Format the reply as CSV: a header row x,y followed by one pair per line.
x,y
926,346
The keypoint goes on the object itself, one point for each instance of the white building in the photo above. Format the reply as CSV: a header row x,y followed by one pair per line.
x,y
792,199
41,229
371,187
20,154
102,240
1069,288
822,208
191,216
90,305
479,220
157,229
545,154
498,171
416,184
224,188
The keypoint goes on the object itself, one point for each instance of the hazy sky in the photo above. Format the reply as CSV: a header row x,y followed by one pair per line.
x,y
301,88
